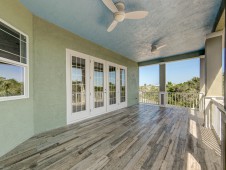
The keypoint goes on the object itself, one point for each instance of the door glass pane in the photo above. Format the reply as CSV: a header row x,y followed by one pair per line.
x,y
112,85
122,85
78,84
98,85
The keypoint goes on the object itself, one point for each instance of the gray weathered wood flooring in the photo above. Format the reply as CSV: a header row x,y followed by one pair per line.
x,y
138,137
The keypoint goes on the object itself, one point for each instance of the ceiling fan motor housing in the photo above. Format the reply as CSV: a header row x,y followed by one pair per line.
x,y
120,6
154,48
120,15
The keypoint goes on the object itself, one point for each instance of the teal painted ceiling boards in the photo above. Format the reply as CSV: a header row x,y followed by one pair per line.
x,y
180,24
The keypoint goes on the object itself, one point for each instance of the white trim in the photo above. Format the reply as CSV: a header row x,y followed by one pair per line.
x,y
9,98
200,56
8,61
15,63
214,34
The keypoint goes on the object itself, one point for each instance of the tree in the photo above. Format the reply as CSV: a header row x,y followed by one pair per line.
x,y
10,87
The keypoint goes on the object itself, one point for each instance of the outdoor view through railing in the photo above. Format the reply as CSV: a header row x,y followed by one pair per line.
x,y
185,94
190,100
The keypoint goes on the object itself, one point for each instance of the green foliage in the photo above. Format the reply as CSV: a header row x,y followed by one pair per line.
x,y
10,87
149,88
191,86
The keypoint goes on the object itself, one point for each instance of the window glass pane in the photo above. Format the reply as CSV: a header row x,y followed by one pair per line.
x,y
9,43
112,85
122,86
23,38
98,85
9,30
11,80
12,44
78,84
23,49
9,56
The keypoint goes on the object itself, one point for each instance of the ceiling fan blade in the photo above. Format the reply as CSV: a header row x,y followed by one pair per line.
x,y
136,15
110,5
112,26
161,46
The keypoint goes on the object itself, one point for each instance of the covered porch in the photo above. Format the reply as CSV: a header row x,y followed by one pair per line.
x,y
142,136
69,85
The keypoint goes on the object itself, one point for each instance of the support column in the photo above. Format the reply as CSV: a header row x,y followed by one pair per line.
x,y
202,75
202,85
223,142
213,73
162,83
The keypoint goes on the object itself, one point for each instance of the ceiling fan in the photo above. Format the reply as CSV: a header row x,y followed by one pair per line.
x,y
118,10
155,48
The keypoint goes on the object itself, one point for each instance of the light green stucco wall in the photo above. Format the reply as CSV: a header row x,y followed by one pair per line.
x,y
50,44
16,117
45,109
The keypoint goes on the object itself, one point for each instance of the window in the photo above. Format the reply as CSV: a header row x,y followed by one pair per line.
x,y
13,63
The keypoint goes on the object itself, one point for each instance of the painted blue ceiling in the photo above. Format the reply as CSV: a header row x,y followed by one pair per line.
x,y
181,24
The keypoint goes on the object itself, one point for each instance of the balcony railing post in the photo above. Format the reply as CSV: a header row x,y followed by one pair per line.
x,y
207,112
162,98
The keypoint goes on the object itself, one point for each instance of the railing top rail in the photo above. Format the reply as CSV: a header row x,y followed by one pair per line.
x,y
215,97
148,92
170,92
182,93
219,105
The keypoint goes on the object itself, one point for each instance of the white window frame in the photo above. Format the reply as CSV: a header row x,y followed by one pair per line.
x,y
15,63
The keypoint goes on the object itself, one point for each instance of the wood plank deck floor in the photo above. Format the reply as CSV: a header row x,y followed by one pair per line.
x,y
138,137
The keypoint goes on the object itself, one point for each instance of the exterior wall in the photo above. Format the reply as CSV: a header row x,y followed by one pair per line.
x,y
50,44
16,116
213,67
45,108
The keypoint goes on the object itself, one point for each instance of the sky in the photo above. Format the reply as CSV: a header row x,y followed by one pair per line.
x,y
11,72
176,72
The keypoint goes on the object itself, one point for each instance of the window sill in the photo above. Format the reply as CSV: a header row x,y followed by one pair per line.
x,y
3,99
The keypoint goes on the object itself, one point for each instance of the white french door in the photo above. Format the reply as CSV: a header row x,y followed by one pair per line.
x,y
122,86
77,86
97,86
112,86
94,86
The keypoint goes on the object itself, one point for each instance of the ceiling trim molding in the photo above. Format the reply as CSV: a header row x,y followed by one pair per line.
x,y
194,54
219,14
214,34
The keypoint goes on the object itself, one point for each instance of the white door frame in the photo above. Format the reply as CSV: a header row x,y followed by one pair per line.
x,y
74,117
